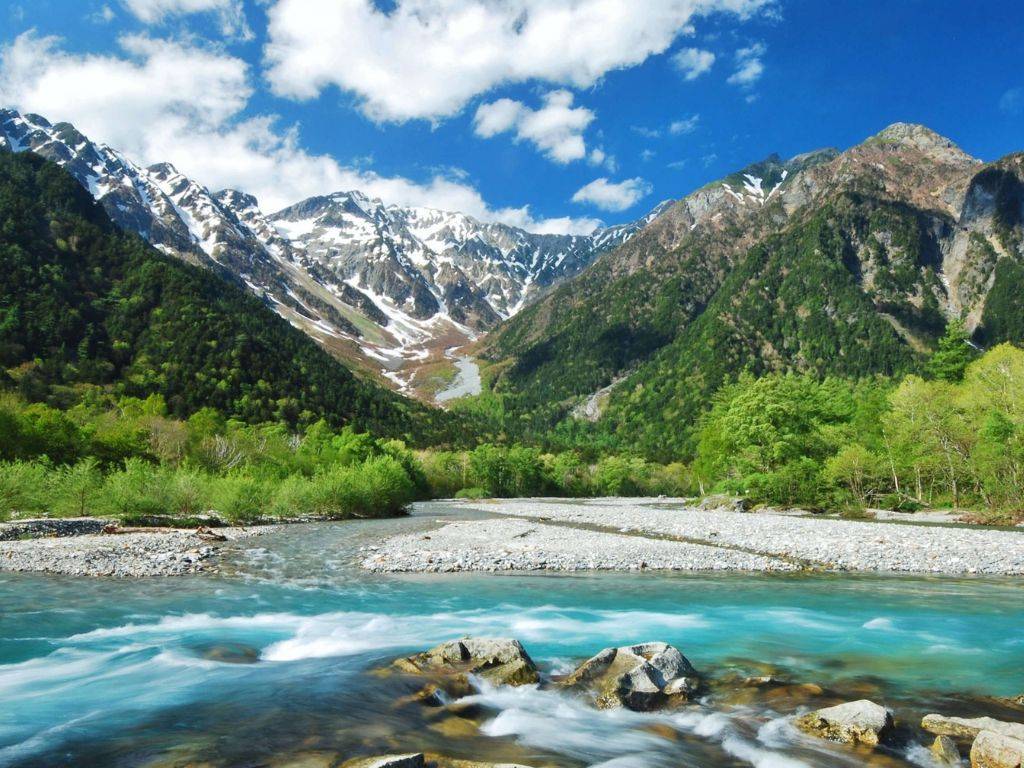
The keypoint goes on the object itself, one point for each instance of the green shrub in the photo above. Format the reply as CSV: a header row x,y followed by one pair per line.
x,y
76,490
242,499
472,493
22,488
137,490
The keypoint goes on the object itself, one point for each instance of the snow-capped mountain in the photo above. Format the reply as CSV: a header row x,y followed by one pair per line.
x,y
431,262
381,285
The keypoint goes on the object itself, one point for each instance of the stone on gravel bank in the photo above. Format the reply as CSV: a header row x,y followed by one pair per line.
x,y
67,526
967,728
855,722
997,750
639,677
499,661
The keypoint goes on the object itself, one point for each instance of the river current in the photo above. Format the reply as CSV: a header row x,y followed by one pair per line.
x,y
271,663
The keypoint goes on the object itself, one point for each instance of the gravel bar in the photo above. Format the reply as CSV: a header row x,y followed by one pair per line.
x,y
119,555
845,545
516,545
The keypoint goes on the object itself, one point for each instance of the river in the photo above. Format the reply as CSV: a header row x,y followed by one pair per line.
x,y
269,663
467,381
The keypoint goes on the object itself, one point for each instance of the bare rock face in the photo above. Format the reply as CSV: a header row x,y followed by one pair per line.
x,y
855,722
967,728
996,750
500,661
639,677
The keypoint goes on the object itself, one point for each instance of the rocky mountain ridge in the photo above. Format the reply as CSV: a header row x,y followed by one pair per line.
x,y
385,287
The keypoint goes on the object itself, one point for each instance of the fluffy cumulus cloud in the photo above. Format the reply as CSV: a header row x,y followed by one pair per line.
x,y
609,196
169,101
556,128
230,13
428,58
749,66
693,62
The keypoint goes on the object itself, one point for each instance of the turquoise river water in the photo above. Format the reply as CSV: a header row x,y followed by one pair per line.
x,y
146,673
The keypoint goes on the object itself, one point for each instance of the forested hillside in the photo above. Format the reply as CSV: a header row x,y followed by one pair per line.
x,y
846,264
85,307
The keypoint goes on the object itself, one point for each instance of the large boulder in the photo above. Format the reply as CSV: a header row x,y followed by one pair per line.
x,y
499,661
997,750
639,677
967,728
855,722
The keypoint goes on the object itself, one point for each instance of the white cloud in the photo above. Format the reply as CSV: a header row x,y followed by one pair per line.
x,y
556,128
104,15
598,156
647,133
693,62
1012,101
166,101
428,58
749,66
230,13
686,125
609,196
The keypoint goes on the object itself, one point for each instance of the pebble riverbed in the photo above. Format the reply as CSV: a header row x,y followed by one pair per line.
x,y
697,540
119,555
515,545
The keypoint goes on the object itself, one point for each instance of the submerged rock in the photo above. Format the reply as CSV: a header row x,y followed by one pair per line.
x,y
388,761
944,751
855,722
997,750
639,677
499,661
967,728
230,653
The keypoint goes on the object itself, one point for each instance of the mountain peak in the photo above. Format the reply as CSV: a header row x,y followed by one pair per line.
x,y
919,137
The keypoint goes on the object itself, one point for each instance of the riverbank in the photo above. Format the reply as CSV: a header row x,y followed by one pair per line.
x,y
514,545
625,534
77,548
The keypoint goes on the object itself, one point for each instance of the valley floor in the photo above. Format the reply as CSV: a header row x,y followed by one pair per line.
x,y
638,534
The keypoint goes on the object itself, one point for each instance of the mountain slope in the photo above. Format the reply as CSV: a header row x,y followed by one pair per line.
x,y
846,263
386,288
83,303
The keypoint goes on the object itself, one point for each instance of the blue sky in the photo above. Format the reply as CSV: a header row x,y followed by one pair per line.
x,y
551,114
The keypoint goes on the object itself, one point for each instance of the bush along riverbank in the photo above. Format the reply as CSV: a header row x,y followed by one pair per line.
x,y
128,460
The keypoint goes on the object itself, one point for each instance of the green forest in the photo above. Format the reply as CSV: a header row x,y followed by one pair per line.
x,y
138,387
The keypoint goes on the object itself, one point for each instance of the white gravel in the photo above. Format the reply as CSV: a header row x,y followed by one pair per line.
x,y
121,555
515,545
835,544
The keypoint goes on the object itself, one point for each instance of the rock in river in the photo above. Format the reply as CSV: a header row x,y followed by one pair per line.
x,y
966,728
944,751
639,677
996,750
499,661
387,761
855,722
